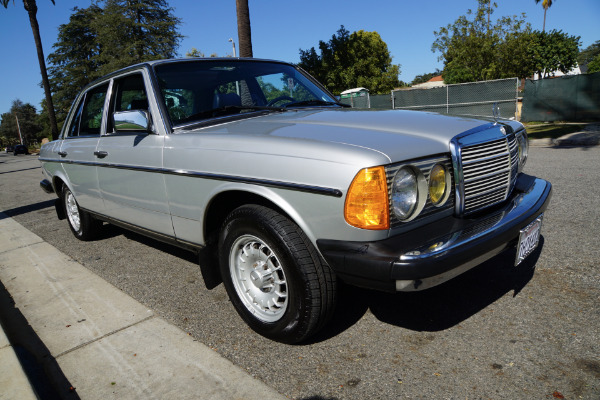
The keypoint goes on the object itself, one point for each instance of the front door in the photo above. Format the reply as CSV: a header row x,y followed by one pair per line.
x,y
130,164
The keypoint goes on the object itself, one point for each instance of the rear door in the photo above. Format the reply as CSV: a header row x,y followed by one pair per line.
x,y
79,144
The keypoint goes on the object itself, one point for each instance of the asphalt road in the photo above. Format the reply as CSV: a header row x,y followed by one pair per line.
x,y
497,332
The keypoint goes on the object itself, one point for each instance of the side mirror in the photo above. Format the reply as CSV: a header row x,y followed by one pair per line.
x,y
131,121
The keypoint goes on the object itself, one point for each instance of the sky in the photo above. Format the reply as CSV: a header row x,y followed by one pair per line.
x,y
280,28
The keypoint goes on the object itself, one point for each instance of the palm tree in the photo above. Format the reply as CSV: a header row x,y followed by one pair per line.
x,y
244,32
31,8
546,4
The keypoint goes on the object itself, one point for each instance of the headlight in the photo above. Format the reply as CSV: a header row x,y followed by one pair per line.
x,y
406,201
523,149
439,184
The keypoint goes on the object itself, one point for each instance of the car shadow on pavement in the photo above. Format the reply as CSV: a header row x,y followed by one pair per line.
x,y
440,307
109,230
18,170
26,209
43,372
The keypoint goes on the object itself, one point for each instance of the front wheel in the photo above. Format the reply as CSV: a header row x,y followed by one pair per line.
x,y
82,224
274,276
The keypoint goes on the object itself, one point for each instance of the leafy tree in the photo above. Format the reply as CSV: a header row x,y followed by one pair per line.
x,y
594,65
589,55
546,4
553,51
31,8
425,77
28,125
360,59
244,30
474,49
105,37
194,52
133,31
74,62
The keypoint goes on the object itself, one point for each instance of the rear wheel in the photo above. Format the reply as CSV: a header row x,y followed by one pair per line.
x,y
82,224
274,276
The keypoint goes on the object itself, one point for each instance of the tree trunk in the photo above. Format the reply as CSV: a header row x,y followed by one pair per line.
x,y
544,26
244,32
31,8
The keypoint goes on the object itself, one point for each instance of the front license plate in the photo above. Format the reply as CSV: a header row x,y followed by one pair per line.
x,y
529,239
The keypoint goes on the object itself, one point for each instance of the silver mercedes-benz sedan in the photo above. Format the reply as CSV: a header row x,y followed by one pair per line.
x,y
283,191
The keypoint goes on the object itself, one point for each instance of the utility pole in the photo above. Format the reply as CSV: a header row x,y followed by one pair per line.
x,y
233,44
19,128
237,83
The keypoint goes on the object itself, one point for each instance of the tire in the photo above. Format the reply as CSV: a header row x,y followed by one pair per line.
x,y
274,276
82,224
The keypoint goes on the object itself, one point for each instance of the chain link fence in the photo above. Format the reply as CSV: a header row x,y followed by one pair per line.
x,y
567,98
377,101
381,101
476,98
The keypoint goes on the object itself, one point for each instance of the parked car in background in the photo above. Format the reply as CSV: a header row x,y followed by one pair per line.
x,y
9,149
283,191
20,149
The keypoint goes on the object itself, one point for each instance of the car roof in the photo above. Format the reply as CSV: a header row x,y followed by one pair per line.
x,y
149,64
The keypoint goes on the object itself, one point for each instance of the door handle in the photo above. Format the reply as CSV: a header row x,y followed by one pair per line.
x,y
100,154
62,153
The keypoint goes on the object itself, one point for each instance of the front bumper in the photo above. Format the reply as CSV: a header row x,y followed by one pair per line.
x,y
432,254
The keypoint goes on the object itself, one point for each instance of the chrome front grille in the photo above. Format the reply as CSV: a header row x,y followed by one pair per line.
x,y
489,171
513,147
483,166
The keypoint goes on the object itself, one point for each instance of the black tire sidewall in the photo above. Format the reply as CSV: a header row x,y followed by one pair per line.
x,y
290,327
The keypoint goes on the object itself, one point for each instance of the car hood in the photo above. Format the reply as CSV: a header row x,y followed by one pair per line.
x,y
395,134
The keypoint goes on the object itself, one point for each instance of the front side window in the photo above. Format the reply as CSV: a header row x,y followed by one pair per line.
x,y
88,117
131,93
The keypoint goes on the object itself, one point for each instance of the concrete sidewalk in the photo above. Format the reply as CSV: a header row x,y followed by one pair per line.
x,y
106,344
13,381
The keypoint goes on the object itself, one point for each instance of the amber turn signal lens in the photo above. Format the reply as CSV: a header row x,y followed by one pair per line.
x,y
367,205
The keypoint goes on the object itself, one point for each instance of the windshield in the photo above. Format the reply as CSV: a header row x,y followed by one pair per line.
x,y
203,89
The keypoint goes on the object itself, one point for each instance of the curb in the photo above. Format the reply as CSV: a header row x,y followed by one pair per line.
x,y
588,137
105,343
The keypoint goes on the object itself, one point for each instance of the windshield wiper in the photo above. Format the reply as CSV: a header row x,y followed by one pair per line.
x,y
226,110
315,102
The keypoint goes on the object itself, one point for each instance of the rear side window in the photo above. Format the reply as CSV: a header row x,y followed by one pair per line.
x,y
88,117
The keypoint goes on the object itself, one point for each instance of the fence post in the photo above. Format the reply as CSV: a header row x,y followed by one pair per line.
x,y
517,99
